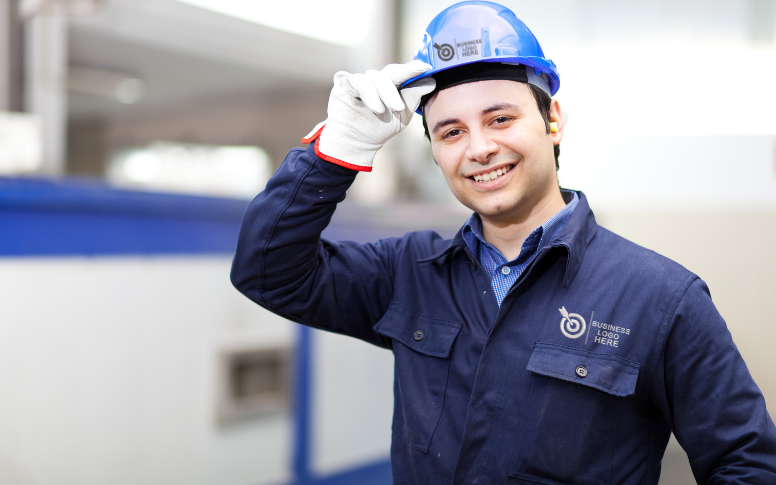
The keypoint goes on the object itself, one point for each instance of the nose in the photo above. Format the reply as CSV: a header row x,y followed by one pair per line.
x,y
481,147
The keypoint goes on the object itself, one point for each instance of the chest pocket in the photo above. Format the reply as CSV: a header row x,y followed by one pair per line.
x,y
571,415
421,347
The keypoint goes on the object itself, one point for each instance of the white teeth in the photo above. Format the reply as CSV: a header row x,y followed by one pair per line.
x,y
487,177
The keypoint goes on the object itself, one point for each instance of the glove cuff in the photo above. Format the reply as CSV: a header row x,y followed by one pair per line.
x,y
364,156
310,137
337,161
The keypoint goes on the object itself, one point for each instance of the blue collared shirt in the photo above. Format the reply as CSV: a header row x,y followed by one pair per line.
x,y
503,273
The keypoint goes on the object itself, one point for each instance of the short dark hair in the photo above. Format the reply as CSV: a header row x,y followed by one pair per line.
x,y
543,102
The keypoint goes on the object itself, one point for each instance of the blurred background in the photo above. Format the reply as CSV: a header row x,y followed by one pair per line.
x,y
133,133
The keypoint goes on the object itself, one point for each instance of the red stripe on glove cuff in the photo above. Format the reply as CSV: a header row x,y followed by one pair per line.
x,y
337,161
312,136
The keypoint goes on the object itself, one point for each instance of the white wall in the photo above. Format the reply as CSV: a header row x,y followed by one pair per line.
x,y
672,173
108,374
352,403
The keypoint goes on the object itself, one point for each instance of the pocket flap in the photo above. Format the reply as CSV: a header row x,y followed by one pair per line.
x,y
608,373
430,336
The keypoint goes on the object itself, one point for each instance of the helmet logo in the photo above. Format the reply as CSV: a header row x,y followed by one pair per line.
x,y
445,51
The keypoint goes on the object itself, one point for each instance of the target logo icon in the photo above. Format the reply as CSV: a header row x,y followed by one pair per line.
x,y
445,51
572,324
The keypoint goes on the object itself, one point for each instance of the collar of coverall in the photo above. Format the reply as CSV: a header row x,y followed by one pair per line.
x,y
487,71
575,237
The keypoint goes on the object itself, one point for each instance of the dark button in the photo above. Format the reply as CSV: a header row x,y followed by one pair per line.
x,y
419,334
581,371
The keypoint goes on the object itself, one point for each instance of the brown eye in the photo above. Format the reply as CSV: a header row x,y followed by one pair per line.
x,y
451,133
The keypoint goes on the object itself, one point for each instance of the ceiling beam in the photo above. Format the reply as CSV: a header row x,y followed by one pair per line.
x,y
197,32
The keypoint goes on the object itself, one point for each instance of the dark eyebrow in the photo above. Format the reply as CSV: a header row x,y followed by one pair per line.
x,y
499,107
443,123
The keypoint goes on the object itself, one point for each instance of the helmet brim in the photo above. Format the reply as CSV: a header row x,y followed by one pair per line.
x,y
544,65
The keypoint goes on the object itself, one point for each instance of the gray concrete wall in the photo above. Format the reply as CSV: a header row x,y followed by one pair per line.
x,y
5,55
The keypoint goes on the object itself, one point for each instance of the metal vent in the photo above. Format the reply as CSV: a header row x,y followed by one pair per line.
x,y
254,383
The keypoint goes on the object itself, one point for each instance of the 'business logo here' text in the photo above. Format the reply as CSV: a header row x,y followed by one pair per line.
x,y
573,326
469,48
606,334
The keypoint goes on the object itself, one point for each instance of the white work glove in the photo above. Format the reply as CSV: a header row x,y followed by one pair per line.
x,y
367,110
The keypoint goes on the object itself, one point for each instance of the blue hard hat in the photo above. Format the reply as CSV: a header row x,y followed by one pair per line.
x,y
476,31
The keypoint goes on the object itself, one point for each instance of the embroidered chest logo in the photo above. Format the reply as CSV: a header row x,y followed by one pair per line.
x,y
572,324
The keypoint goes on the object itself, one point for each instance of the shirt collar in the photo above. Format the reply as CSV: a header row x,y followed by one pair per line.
x,y
575,236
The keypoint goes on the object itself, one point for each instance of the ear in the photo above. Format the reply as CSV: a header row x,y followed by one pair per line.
x,y
556,116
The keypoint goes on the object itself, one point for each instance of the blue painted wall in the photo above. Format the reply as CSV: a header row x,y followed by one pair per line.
x,y
71,217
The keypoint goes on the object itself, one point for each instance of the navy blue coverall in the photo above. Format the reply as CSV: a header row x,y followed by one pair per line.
x,y
598,352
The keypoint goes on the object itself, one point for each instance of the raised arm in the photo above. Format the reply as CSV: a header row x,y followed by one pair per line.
x,y
281,262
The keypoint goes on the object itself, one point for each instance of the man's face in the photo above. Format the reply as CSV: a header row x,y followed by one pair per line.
x,y
492,146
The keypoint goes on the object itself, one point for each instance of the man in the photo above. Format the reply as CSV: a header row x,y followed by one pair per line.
x,y
533,347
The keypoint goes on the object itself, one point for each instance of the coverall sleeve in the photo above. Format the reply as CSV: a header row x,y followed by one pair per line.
x,y
282,264
710,400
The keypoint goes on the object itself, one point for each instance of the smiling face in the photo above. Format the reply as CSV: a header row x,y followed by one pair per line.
x,y
492,146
